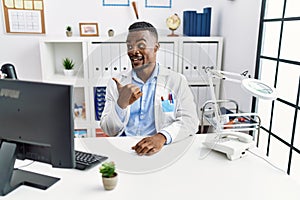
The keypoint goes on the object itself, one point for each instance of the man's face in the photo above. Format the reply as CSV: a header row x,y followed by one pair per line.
x,y
141,49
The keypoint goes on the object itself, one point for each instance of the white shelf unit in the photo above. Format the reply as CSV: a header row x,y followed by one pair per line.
x,y
196,54
52,52
99,59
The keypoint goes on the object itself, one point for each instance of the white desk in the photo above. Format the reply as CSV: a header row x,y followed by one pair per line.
x,y
188,177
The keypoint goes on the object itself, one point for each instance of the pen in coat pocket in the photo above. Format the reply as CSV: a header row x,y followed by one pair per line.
x,y
171,98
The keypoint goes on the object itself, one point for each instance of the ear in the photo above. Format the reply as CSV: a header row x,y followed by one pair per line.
x,y
156,47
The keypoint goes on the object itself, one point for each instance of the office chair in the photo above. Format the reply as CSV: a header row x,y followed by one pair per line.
x,y
9,70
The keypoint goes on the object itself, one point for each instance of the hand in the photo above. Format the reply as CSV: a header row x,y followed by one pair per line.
x,y
127,94
150,145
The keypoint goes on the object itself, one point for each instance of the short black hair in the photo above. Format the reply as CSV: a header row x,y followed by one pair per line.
x,y
143,26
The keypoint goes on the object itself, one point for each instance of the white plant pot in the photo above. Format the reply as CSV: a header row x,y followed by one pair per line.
x,y
69,33
68,72
110,183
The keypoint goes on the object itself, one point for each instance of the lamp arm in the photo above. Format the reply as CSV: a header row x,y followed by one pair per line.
x,y
222,75
232,74
233,80
213,97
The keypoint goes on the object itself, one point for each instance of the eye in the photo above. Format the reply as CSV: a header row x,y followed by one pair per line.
x,y
129,47
141,46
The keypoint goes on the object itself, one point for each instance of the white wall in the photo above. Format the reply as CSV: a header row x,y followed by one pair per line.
x,y
238,24
235,20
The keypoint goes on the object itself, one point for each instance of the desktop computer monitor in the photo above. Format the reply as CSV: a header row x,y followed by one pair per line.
x,y
36,123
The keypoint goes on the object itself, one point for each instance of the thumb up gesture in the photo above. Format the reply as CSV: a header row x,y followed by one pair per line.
x,y
127,94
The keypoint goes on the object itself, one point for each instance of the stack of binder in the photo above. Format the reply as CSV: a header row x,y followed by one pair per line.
x,y
99,100
197,24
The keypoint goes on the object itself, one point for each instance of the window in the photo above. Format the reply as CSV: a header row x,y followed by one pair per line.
x,y
278,63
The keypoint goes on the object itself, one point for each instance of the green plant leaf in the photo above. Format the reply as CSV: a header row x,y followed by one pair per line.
x,y
107,169
69,28
68,63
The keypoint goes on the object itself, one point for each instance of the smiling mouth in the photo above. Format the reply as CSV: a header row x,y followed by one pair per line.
x,y
136,58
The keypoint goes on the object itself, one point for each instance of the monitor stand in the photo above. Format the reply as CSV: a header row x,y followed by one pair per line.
x,y
12,178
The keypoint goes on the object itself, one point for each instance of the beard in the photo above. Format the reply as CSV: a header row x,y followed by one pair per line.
x,y
140,68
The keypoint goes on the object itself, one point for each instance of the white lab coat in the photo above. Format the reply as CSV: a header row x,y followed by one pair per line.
x,y
179,123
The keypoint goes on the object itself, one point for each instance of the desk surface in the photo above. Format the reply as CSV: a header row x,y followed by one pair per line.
x,y
186,175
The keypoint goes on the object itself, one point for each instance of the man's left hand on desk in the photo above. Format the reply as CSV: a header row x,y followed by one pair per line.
x,y
150,145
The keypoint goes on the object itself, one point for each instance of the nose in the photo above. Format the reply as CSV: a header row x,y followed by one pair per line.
x,y
134,50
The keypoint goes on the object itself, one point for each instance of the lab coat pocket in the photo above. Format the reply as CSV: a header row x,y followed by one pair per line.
x,y
167,106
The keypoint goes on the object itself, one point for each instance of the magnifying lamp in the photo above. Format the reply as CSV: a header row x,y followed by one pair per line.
x,y
237,142
255,87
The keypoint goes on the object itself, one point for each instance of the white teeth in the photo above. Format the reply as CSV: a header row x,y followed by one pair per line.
x,y
136,59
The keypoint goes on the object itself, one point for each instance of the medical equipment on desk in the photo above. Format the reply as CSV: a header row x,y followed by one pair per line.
x,y
229,123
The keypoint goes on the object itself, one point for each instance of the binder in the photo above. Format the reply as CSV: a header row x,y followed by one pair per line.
x,y
105,60
204,24
199,24
115,64
193,25
208,20
125,62
187,60
186,23
99,101
189,22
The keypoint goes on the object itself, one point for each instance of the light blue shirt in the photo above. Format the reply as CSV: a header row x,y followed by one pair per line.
x,y
141,121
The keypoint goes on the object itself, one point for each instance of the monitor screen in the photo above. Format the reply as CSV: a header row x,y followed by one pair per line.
x,y
36,123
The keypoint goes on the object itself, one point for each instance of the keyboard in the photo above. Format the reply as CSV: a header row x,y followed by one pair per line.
x,y
86,160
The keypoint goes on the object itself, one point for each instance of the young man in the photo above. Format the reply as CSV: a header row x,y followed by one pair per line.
x,y
148,100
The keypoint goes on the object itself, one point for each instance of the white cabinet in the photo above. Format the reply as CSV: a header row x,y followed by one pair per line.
x,y
196,54
99,59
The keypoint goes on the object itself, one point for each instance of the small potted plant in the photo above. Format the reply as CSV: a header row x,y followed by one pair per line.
x,y
69,31
109,175
68,66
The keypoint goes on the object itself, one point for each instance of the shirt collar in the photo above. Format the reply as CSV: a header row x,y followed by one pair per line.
x,y
153,75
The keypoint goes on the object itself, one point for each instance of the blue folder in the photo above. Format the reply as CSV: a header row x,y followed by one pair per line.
x,y
208,20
